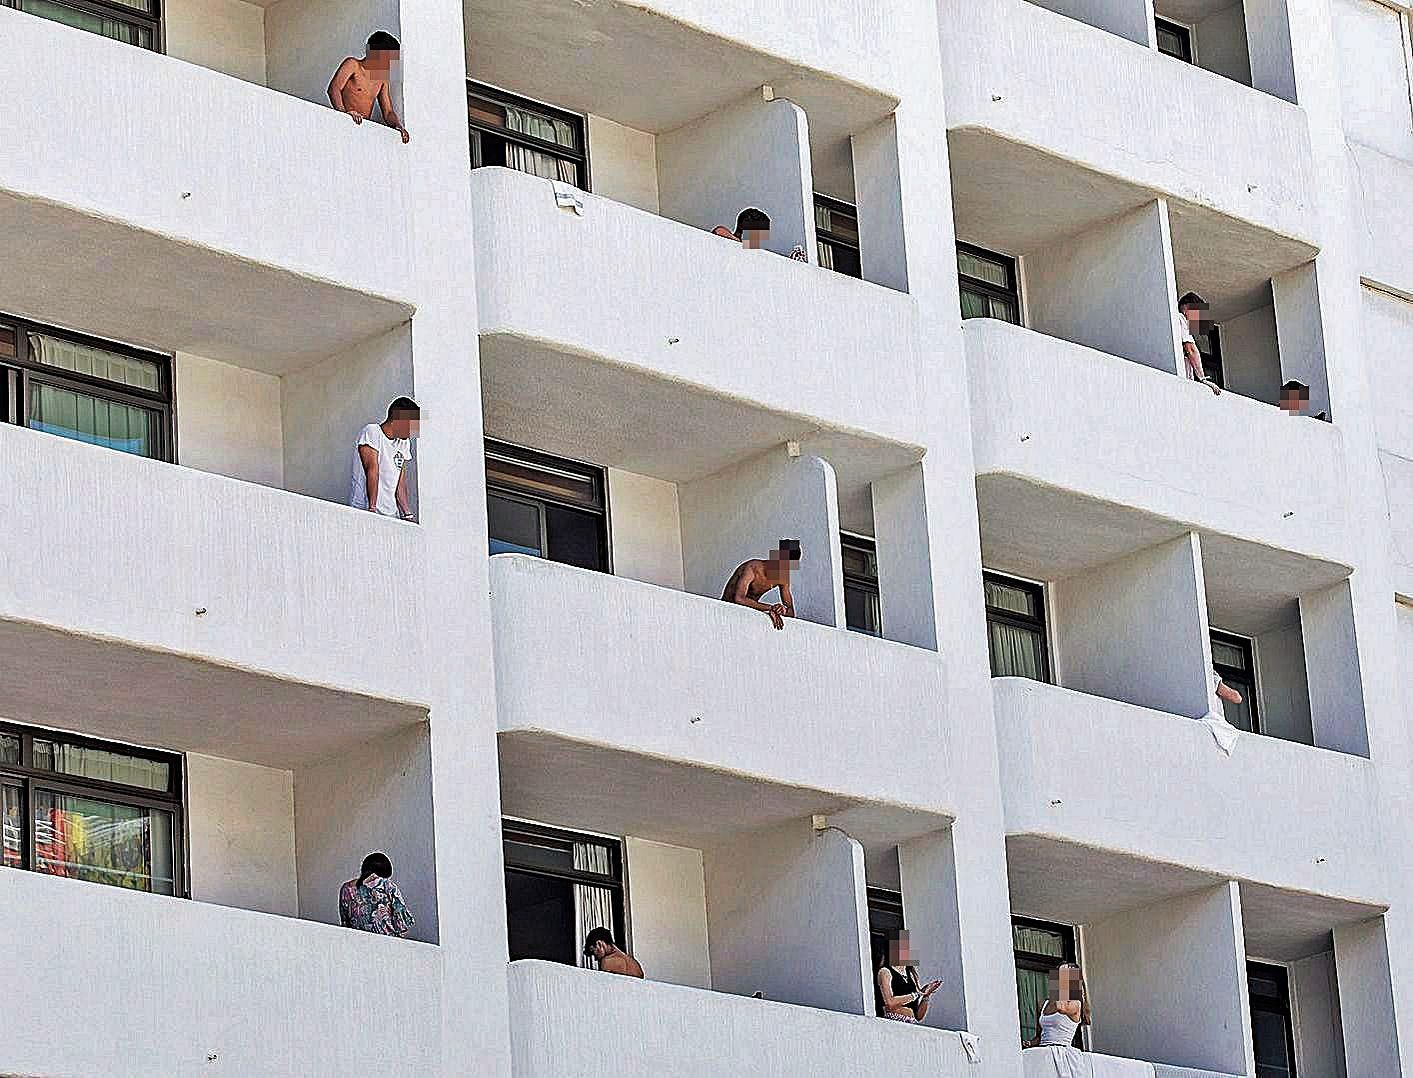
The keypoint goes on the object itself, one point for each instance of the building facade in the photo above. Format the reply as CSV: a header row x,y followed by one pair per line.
x,y
1028,539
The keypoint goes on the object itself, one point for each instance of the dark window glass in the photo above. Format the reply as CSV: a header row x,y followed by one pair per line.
x,y
836,226
87,390
558,887
885,916
510,131
989,287
1209,347
96,812
1174,40
1040,949
1234,659
1271,1032
862,612
1015,628
133,22
545,506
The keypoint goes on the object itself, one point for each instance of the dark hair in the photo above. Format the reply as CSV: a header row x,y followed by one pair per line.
x,y
597,935
1192,299
376,864
790,548
382,41
1298,386
752,218
404,405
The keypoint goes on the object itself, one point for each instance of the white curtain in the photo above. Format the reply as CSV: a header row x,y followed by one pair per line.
x,y
541,164
97,362
593,905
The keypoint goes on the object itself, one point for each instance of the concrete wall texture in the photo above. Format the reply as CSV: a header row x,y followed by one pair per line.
x,y
338,683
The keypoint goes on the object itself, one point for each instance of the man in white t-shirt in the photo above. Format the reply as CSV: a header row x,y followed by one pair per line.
x,y
381,460
1185,318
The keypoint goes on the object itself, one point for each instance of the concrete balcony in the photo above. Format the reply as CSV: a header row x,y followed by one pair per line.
x,y
578,311
194,980
1058,426
175,587
224,218
699,683
1145,787
694,1033
1003,59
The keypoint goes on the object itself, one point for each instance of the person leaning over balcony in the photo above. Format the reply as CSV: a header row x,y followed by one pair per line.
x,y
372,903
752,230
380,460
1065,1009
905,998
1189,314
360,82
598,944
752,579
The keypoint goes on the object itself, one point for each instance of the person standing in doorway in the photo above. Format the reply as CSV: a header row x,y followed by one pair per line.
x,y
1186,319
381,460
905,997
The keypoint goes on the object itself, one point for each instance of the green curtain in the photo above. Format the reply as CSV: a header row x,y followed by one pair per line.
x,y
90,419
116,29
1015,652
1031,990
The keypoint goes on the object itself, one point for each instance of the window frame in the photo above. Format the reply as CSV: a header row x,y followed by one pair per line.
x,y
1045,963
30,372
975,284
1282,1005
861,582
617,882
1178,29
30,780
156,23
1020,621
1242,677
501,97
534,458
827,237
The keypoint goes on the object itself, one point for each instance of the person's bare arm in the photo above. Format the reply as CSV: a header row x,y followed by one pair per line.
x,y
336,85
742,597
390,116
404,504
924,996
786,599
369,458
885,989
1227,693
1194,359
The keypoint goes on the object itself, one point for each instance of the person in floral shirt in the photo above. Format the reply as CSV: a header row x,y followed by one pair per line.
x,y
372,903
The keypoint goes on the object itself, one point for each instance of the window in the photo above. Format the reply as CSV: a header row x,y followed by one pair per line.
x,y
85,389
1015,627
1174,40
538,139
836,229
559,886
90,810
1271,1032
1209,347
1234,659
135,22
547,507
885,917
988,284
1040,949
861,609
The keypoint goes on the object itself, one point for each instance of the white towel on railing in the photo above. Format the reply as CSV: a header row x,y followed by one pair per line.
x,y
568,197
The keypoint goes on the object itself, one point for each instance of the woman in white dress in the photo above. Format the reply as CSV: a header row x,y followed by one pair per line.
x,y
1062,1013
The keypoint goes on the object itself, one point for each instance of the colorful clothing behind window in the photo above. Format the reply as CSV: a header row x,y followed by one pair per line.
x,y
374,905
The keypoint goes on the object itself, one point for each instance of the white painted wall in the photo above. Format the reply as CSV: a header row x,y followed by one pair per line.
x,y
1220,41
377,796
1300,332
1388,341
645,528
240,835
623,163
1332,666
229,420
1139,962
306,40
1109,288
927,872
1366,1003
1268,47
878,198
744,511
667,912
787,915
224,35
750,153
1285,696
1373,71
904,561
1132,19
325,406
1133,630
1319,1034
1251,357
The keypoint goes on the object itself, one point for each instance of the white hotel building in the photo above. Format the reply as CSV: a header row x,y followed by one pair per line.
x,y
1028,539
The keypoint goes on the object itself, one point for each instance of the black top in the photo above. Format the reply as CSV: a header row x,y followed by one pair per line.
x,y
905,984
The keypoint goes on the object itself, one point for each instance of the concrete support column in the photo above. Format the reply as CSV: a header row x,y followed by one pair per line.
x,y
1366,1003
904,558
1300,332
1139,962
1110,288
744,511
754,152
878,196
1268,44
1332,670
1135,629
928,870
787,916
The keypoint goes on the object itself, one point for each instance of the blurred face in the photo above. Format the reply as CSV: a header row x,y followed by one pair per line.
x,y
382,59
600,950
1064,985
900,952
405,425
755,237
1293,401
782,561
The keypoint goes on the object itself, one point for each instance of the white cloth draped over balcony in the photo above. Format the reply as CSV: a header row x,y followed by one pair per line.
x,y
1073,1063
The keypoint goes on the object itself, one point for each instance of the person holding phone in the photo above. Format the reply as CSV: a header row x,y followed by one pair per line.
x,y
905,998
